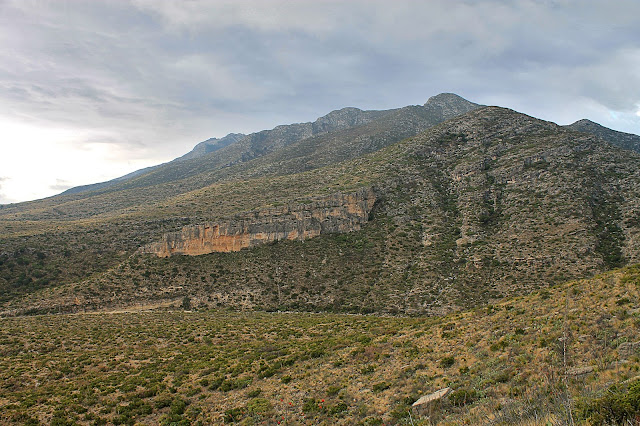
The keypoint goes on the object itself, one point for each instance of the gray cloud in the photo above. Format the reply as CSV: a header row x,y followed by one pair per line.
x,y
160,75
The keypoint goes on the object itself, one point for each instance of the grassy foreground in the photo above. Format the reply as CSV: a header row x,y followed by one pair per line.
x,y
560,354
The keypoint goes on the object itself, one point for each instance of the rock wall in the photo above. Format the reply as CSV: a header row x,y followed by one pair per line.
x,y
337,213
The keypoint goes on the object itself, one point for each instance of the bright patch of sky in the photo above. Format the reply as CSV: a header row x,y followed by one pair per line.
x,y
53,159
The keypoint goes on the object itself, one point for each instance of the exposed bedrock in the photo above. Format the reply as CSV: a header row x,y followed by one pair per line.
x,y
337,213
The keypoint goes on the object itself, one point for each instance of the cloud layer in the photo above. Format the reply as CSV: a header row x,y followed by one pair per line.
x,y
148,79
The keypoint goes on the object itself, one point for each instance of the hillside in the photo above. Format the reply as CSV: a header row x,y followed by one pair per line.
x,y
484,205
563,355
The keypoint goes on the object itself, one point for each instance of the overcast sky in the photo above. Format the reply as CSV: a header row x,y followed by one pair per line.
x,y
91,90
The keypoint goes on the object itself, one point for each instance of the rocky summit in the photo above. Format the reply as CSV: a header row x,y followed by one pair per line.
x,y
420,210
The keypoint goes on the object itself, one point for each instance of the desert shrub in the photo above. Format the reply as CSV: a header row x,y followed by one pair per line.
x,y
620,405
447,361
233,415
333,390
310,405
254,393
340,407
286,379
368,369
178,406
463,396
259,406
379,387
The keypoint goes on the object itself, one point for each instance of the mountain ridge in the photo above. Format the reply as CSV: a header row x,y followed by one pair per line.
x,y
441,107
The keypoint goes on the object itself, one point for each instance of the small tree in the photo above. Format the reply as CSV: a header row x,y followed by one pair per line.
x,y
186,303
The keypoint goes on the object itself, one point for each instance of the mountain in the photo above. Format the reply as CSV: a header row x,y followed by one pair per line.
x,y
621,139
361,211
338,136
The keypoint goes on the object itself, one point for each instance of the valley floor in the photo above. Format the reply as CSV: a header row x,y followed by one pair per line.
x,y
566,353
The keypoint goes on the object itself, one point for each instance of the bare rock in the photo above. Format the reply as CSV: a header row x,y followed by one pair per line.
x,y
337,213
580,371
628,348
426,400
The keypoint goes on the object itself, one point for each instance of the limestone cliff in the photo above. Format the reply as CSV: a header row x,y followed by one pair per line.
x,y
337,213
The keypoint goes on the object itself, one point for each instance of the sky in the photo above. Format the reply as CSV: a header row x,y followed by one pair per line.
x,y
91,90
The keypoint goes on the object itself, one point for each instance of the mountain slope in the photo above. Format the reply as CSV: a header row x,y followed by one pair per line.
x,y
102,185
484,205
621,139
350,128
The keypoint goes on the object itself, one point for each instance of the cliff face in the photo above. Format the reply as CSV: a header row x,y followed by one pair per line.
x,y
337,213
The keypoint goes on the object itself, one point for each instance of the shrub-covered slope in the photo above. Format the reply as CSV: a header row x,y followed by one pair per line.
x,y
564,355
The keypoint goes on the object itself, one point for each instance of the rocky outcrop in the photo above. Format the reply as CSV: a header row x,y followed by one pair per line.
x,y
337,213
422,404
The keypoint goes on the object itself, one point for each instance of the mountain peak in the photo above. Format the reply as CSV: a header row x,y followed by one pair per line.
x,y
585,122
449,105
445,98
211,145
342,118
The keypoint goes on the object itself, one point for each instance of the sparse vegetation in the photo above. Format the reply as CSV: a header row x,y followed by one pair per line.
x,y
177,367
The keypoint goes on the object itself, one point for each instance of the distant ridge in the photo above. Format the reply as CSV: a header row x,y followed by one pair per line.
x,y
203,148
621,139
101,185
308,145
211,145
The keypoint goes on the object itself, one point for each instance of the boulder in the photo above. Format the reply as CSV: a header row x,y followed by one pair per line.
x,y
425,401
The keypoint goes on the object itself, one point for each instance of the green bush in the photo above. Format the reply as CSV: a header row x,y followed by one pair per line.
x,y
340,407
286,379
178,406
310,405
447,361
379,387
620,405
254,393
259,406
463,396
233,415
